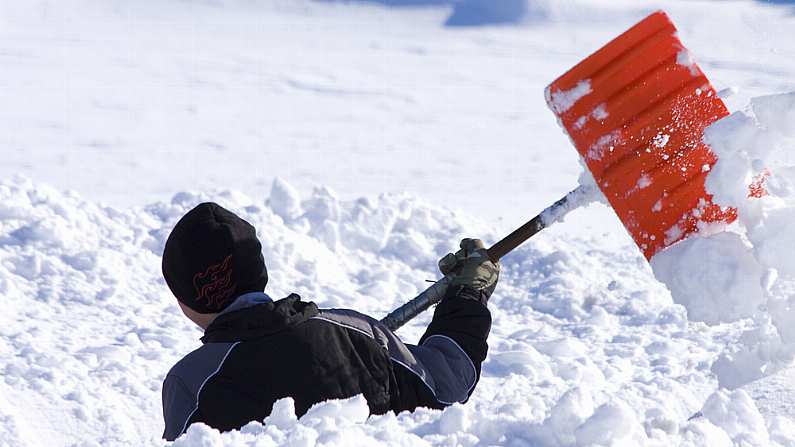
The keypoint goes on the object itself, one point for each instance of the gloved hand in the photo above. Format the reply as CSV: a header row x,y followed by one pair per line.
x,y
474,274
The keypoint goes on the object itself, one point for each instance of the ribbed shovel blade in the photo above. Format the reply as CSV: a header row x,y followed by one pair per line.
x,y
636,111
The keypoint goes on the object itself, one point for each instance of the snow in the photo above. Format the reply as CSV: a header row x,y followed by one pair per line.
x,y
661,140
334,423
562,100
600,112
284,200
746,271
685,58
363,142
604,144
643,182
716,278
558,373
736,414
585,194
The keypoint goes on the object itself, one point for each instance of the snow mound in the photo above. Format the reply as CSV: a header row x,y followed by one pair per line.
x,y
585,349
716,278
89,328
339,422
748,270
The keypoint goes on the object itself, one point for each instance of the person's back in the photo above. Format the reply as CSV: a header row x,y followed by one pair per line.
x,y
256,350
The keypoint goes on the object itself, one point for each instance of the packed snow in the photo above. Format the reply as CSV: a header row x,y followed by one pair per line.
x,y
363,141
581,353
562,100
685,58
716,278
745,271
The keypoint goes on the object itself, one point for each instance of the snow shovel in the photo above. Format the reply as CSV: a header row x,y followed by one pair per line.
x,y
636,111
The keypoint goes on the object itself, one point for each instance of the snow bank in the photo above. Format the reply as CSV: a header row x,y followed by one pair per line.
x,y
716,278
89,328
728,419
585,349
333,423
748,270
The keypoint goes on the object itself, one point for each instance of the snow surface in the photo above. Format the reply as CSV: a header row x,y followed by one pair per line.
x,y
716,278
580,352
368,140
562,100
746,271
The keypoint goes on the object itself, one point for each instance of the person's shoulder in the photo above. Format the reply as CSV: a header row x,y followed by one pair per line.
x,y
346,313
184,363
369,326
349,319
200,362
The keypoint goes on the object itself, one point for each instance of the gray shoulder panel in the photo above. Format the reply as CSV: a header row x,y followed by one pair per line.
x,y
184,382
440,362
453,371
398,351
178,405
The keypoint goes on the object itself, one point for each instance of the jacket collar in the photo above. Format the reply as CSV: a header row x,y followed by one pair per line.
x,y
258,318
245,300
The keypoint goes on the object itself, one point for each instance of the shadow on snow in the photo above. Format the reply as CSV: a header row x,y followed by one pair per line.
x,y
468,12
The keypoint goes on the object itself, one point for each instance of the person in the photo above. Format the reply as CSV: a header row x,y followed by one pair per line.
x,y
256,350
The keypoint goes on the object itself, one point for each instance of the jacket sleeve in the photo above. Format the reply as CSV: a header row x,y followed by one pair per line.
x,y
449,354
445,366
178,407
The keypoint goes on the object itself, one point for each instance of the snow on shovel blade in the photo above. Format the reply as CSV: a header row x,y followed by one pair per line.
x,y
636,111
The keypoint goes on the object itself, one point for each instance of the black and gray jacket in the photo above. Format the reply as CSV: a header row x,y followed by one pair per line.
x,y
258,351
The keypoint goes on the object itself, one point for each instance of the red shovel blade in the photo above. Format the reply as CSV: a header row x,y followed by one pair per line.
x,y
636,110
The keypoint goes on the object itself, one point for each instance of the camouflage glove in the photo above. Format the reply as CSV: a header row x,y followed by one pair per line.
x,y
474,274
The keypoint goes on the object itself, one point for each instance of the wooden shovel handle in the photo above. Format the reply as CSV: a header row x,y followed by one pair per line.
x,y
534,225
516,238
435,293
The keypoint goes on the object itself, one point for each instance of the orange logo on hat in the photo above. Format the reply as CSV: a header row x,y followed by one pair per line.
x,y
215,284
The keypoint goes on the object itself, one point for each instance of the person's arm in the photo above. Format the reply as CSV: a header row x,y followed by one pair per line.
x,y
450,353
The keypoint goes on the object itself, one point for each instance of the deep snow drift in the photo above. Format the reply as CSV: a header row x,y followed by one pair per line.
x,y
586,348
131,102
746,270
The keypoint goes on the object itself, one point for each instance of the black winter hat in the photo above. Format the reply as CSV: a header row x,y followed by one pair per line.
x,y
211,257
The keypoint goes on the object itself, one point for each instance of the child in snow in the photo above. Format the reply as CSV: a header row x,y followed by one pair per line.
x,y
256,350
